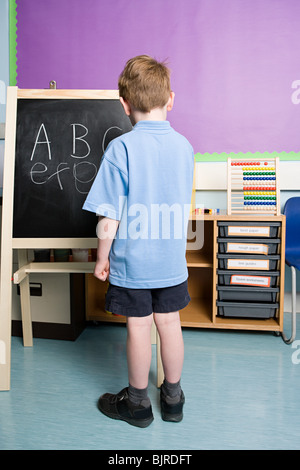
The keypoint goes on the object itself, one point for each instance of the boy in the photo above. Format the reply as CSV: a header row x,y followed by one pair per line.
x,y
142,194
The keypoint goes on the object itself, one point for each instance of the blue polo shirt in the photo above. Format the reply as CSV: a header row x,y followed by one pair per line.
x,y
145,181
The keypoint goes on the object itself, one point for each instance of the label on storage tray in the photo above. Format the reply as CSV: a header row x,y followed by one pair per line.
x,y
261,281
248,264
249,230
247,248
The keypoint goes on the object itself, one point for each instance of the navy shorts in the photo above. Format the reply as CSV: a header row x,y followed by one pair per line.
x,y
143,302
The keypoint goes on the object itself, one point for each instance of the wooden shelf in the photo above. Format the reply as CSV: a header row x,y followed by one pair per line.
x,y
71,267
197,314
269,324
198,259
101,315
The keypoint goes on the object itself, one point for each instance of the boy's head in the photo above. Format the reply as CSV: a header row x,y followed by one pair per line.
x,y
145,83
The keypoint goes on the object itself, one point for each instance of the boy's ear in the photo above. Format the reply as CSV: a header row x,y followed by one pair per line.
x,y
126,106
170,102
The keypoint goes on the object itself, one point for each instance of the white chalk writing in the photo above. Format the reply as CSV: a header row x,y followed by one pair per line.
x,y
83,173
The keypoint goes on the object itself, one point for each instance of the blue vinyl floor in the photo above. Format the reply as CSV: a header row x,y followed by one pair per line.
x,y
242,392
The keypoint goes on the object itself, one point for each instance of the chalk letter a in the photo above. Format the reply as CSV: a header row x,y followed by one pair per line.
x,y
37,141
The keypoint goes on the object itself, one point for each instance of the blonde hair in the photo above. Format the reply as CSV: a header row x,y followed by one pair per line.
x,y
145,83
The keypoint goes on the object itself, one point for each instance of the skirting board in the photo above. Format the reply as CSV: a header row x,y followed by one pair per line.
x,y
213,175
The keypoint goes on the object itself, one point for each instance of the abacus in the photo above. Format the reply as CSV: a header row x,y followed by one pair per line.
x,y
253,186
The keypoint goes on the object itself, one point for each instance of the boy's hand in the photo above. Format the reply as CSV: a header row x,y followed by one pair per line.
x,y
106,231
101,270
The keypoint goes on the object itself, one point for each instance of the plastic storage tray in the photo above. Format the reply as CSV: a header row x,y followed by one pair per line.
x,y
247,278
248,229
248,294
266,246
247,310
253,262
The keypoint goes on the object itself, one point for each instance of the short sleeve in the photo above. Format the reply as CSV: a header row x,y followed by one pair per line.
x,y
108,192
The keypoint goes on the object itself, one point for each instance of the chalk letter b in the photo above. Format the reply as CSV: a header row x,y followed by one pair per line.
x,y
80,138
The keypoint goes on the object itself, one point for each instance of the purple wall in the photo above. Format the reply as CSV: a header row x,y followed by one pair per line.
x,y
233,61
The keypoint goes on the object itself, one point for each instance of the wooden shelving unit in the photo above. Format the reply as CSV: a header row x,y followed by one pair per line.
x,y
202,264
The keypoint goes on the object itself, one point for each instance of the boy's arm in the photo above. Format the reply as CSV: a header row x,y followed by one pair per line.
x,y
106,231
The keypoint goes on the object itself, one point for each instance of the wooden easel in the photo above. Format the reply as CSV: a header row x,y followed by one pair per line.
x,y
8,243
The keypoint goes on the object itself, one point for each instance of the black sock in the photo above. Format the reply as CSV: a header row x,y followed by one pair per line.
x,y
171,389
138,396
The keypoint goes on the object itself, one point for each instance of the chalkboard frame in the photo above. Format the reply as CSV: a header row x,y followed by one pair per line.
x,y
8,243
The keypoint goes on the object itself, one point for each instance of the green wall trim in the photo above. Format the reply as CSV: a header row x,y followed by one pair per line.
x,y
12,42
222,157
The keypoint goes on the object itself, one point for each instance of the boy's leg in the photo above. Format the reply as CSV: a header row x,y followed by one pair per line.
x,y
172,346
132,403
172,354
139,350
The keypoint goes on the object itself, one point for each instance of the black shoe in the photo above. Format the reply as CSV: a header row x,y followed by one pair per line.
x,y
119,407
171,408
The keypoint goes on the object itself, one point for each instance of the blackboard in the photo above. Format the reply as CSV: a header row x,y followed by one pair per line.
x,y
59,145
